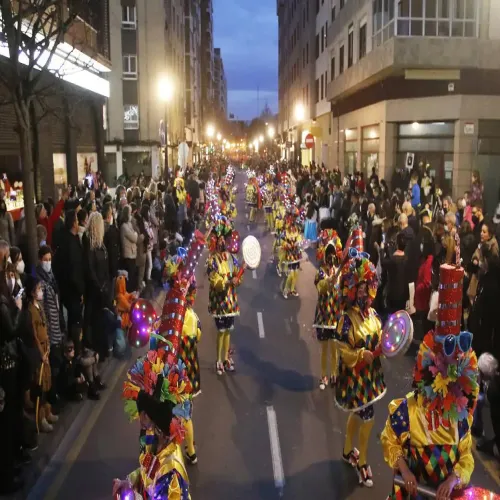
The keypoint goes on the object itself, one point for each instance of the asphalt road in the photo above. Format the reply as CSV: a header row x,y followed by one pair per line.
x,y
264,432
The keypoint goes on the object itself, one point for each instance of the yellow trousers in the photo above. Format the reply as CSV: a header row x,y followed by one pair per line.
x,y
223,344
329,347
251,217
361,429
291,281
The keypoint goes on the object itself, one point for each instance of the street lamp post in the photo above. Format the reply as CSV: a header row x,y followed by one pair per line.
x,y
165,92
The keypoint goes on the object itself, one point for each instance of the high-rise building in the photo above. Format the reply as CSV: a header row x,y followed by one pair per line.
x,y
207,62
147,105
416,83
298,52
220,86
192,21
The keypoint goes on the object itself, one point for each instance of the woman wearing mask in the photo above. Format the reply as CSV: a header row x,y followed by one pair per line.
x,y
53,313
40,338
97,288
6,224
148,240
12,395
16,258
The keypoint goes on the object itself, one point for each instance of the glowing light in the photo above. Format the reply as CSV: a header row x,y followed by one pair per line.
x,y
261,138
299,112
271,132
165,89
210,131
415,125
219,136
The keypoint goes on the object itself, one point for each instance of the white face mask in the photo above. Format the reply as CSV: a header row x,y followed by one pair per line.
x,y
421,248
39,295
8,260
47,266
20,267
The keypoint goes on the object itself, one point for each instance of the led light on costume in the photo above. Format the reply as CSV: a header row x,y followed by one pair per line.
x,y
429,429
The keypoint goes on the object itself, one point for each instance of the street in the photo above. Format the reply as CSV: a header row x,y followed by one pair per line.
x,y
264,432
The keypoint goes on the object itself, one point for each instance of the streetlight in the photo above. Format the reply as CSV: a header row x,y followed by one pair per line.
x,y
271,132
300,112
210,131
219,136
261,138
165,93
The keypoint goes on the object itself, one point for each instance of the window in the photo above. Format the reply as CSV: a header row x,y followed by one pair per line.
x,y
130,67
322,39
362,40
383,21
317,90
332,68
130,116
317,46
129,18
333,13
322,85
341,60
350,46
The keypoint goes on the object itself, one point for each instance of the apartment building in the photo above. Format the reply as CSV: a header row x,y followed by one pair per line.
x,y
146,109
417,82
207,62
220,86
192,22
67,116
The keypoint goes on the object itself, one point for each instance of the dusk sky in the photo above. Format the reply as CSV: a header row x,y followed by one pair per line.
x,y
247,33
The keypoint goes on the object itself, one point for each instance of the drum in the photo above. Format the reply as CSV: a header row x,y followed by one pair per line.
x,y
397,334
250,248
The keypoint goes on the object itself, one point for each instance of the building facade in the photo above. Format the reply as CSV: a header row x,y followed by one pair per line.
x,y
220,86
146,109
67,115
207,62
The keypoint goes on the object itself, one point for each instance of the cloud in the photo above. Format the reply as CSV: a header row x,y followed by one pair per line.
x,y
247,33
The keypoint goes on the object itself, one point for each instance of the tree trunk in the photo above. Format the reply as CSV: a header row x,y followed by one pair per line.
x,y
26,151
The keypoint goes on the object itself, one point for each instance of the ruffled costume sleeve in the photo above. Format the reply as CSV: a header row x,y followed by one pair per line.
x,y
349,354
396,433
464,467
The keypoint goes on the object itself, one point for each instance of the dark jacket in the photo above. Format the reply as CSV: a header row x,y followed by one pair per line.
x,y
97,273
10,319
397,284
112,244
69,263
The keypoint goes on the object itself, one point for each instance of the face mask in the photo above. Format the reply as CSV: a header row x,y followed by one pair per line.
x,y
421,248
475,220
20,267
446,229
39,295
47,266
9,260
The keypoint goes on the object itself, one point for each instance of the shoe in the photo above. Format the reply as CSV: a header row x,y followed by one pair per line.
x,y
191,459
219,368
278,271
45,426
229,365
285,295
52,419
333,382
92,393
323,383
352,458
365,475
294,293
11,487
100,385
31,447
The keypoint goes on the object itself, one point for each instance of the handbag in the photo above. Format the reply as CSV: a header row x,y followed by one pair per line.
x,y
9,355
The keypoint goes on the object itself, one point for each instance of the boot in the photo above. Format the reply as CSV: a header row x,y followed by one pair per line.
x,y
92,392
100,385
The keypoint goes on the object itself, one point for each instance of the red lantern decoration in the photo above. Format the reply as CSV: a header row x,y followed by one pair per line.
x,y
138,335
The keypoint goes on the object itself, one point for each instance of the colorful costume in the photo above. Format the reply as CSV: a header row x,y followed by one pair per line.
x,y
267,200
290,253
123,301
360,381
427,435
328,255
252,196
224,274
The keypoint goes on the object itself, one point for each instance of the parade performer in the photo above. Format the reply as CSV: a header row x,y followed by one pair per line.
x,y
427,437
267,200
360,380
225,275
291,252
252,195
227,207
181,195
329,256
279,234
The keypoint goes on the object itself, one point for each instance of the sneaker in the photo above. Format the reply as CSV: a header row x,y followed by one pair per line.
x,y
285,294
365,475
352,458
323,383
294,293
45,426
219,368
278,271
191,459
52,419
229,365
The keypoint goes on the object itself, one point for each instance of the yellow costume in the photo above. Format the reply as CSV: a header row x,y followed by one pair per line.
x,y
290,255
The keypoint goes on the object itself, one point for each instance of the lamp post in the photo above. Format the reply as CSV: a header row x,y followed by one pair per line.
x,y
165,93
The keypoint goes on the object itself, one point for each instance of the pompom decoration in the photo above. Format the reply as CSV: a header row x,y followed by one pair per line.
x,y
233,242
138,335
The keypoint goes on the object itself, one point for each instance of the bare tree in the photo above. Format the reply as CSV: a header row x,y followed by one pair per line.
x,y
33,31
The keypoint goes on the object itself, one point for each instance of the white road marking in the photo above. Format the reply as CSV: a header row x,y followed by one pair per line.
x,y
272,423
260,323
248,227
246,216
254,274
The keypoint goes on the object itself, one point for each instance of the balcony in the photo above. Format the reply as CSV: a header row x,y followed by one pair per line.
x,y
443,55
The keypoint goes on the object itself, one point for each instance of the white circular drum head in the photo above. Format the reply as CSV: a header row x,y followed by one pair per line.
x,y
250,248
397,334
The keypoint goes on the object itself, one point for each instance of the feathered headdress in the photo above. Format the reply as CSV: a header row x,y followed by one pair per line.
x,y
328,237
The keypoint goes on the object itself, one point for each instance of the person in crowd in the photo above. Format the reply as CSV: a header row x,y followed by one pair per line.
x,y
423,285
477,188
142,247
11,427
395,266
111,240
477,219
7,232
83,219
415,192
48,220
71,381
16,258
128,239
97,286
41,235
38,327
148,240
449,241
53,313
